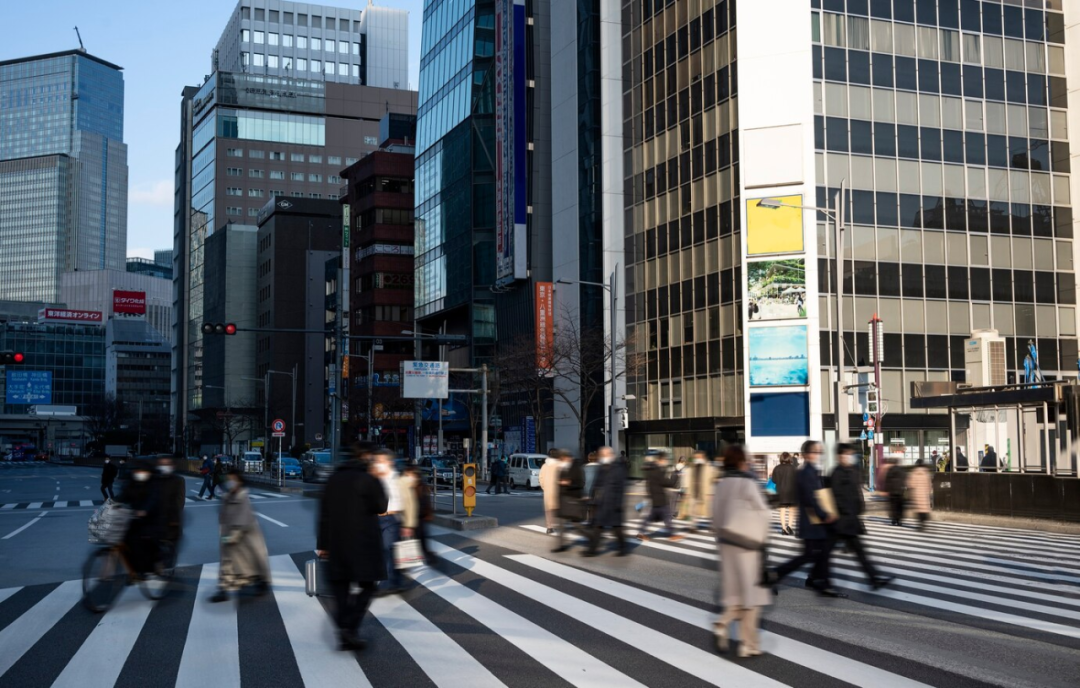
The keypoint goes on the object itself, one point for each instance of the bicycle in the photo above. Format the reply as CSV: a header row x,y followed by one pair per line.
x,y
108,570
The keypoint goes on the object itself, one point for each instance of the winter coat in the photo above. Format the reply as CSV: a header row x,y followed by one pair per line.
x,y
410,507
218,473
896,481
700,479
809,482
108,474
846,483
243,550
785,476
920,485
609,495
588,472
657,483
572,494
740,568
170,501
549,483
142,534
349,524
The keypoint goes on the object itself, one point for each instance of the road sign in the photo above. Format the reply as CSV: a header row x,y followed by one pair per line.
x,y
318,437
279,426
862,435
278,434
865,417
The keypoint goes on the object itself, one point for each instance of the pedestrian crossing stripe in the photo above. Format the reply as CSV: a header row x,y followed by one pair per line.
x,y
72,503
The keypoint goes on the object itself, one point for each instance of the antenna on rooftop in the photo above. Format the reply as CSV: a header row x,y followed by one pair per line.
x,y
79,35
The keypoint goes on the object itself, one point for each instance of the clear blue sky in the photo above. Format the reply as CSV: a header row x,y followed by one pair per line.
x,y
162,46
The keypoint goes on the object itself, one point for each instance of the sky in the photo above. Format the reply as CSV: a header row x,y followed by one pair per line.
x,y
162,46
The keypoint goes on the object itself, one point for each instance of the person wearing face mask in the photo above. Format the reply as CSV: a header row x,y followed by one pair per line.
x,y
141,539
846,483
608,499
108,477
122,473
169,499
244,559
382,467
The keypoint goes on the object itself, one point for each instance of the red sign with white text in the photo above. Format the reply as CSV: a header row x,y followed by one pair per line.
x,y
68,315
545,325
129,302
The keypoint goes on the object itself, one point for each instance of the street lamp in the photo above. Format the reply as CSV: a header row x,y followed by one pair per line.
x,y
837,216
612,288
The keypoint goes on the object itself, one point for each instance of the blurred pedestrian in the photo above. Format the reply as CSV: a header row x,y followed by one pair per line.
x,y
170,498
608,497
741,525
350,539
571,487
846,484
700,483
815,528
409,518
658,480
219,475
382,467
122,473
143,530
989,463
425,512
785,477
896,486
108,477
206,470
549,483
961,459
589,471
920,484
244,559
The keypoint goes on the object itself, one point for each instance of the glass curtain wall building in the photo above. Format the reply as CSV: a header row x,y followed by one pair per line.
x,y
63,171
947,120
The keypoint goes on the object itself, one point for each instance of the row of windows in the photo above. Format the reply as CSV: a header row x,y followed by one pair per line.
x,y
298,19
302,42
300,64
688,38
707,158
332,160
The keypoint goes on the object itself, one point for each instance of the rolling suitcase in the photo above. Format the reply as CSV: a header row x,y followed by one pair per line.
x,y
315,581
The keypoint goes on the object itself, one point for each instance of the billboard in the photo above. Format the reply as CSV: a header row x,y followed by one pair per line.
x,y
774,230
67,315
778,356
129,302
777,289
511,144
545,324
425,379
29,387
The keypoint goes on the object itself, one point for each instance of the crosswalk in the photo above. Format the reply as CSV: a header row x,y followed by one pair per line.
x,y
76,503
488,616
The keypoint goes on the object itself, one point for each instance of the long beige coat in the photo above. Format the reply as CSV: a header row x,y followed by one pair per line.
x,y
708,475
919,487
740,569
549,483
244,558
410,507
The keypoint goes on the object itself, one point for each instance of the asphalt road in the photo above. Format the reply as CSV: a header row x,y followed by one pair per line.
x,y
972,606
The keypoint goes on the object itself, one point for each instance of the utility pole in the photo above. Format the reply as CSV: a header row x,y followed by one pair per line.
x,y
484,402
841,395
877,348
293,406
613,431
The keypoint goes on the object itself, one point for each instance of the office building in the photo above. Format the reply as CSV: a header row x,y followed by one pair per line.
x,y
245,139
334,44
144,266
69,353
63,171
947,121
137,365
121,294
164,256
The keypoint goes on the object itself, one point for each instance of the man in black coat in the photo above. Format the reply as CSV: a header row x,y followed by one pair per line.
x,y
169,501
817,534
108,477
350,538
571,493
608,499
141,539
896,487
846,484
658,480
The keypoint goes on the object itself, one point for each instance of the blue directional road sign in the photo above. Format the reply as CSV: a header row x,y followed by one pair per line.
x,y
29,387
865,417
862,435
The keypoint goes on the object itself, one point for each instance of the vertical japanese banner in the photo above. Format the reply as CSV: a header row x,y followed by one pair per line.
x,y
511,143
545,325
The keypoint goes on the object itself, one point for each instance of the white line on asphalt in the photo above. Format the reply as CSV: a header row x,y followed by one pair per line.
x,y
697,662
34,505
311,631
8,592
24,632
649,545
86,502
212,639
9,506
19,530
272,494
272,520
55,497
103,653
825,662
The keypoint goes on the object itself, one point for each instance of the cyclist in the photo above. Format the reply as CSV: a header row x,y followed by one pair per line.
x,y
169,502
141,540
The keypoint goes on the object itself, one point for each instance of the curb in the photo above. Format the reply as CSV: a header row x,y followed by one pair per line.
x,y
462,522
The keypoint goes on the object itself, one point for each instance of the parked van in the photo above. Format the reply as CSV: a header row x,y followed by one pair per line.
x,y
525,469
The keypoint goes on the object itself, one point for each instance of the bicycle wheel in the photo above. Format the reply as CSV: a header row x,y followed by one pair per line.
x,y
103,579
155,584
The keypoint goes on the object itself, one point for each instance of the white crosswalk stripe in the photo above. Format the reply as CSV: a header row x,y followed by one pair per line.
x,y
211,639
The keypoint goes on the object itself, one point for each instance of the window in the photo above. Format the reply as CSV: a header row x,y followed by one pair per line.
x,y
277,155
356,71
296,157
272,61
301,42
371,140
256,174
272,38
245,36
234,191
259,59
333,179
972,52
355,48
316,159
314,177
257,154
350,161
333,160
245,59
343,47
231,210
253,212
277,174
234,152
314,195
287,40
316,44
259,38
297,176
329,45
331,68
234,172
255,193
316,65
301,64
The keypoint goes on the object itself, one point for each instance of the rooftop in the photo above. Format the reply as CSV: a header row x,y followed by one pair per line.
x,y
63,53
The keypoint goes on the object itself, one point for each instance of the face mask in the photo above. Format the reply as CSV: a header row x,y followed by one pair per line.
x,y
230,485
607,459
141,477
165,470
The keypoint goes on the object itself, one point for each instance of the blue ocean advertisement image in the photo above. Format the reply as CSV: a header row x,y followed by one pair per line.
x,y
778,356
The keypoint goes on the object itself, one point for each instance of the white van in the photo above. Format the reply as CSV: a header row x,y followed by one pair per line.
x,y
525,469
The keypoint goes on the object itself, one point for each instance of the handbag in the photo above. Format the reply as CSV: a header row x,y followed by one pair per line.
x,y
407,554
316,583
742,525
770,486
827,503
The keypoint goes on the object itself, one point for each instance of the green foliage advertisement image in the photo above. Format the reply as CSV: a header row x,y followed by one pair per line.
x,y
777,289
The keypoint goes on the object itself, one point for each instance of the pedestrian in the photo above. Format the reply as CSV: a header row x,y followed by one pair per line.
x,y
815,528
549,483
108,477
244,559
122,473
141,538
425,512
571,488
410,506
989,463
658,480
219,475
895,486
846,485
589,471
700,483
785,477
920,485
169,499
206,470
740,518
961,459
608,499
382,467
350,539
504,475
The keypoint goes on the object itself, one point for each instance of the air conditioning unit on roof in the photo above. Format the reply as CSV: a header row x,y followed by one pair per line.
x,y
984,359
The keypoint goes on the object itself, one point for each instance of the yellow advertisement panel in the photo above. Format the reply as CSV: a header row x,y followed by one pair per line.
x,y
774,230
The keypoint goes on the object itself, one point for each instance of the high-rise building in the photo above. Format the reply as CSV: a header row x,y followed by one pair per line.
x,y
63,171
137,375
335,44
946,122
145,266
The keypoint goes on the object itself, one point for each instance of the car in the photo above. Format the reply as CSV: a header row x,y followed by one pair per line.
x,y
290,466
525,469
252,462
442,467
316,466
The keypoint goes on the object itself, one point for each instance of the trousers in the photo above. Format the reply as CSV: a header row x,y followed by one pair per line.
x,y
391,531
594,537
854,544
658,513
351,608
817,552
896,509
109,493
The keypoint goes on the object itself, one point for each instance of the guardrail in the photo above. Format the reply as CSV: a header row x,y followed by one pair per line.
x,y
453,496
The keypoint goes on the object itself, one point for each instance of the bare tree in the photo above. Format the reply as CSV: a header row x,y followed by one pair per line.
x,y
104,417
522,383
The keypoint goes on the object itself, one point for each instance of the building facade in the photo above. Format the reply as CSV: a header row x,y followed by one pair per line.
x,y
63,171
72,355
334,44
121,294
153,268
137,368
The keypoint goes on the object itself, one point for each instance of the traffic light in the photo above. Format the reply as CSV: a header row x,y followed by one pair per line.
x,y
872,402
468,484
12,358
219,328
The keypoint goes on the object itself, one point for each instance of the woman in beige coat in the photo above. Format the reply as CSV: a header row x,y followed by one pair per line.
x,y
920,485
739,504
549,483
244,559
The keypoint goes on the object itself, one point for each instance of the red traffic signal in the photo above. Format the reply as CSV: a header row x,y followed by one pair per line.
x,y
219,328
12,357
